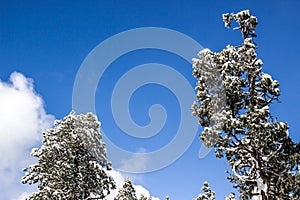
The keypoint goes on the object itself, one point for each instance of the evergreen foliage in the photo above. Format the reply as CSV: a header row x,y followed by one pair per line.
x,y
127,192
233,104
72,161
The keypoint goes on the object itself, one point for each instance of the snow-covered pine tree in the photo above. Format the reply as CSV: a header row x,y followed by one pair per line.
x,y
127,192
233,105
72,161
143,197
207,194
230,197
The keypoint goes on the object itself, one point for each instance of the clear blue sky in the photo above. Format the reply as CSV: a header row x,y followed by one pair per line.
x,y
48,41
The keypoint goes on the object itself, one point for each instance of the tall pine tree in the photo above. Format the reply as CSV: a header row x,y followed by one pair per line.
x,y
71,161
233,105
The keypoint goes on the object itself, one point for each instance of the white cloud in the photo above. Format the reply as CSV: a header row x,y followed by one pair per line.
x,y
136,163
119,179
22,120
23,196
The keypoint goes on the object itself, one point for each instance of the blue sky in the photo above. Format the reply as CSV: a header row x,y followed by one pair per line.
x,y
48,41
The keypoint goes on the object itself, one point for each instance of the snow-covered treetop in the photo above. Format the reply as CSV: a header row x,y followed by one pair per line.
x,y
207,194
247,23
71,161
233,103
127,192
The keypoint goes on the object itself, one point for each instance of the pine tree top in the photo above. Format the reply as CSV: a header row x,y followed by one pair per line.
x,y
233,104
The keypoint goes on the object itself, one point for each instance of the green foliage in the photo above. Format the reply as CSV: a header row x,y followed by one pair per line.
x,y
71,161
127,192
233,105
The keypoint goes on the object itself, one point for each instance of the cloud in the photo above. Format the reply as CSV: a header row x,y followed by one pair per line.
x,y
119,179
136,163
23,196
22,120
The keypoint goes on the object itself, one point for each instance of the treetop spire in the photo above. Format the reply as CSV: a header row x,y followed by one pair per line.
x,y
247,23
